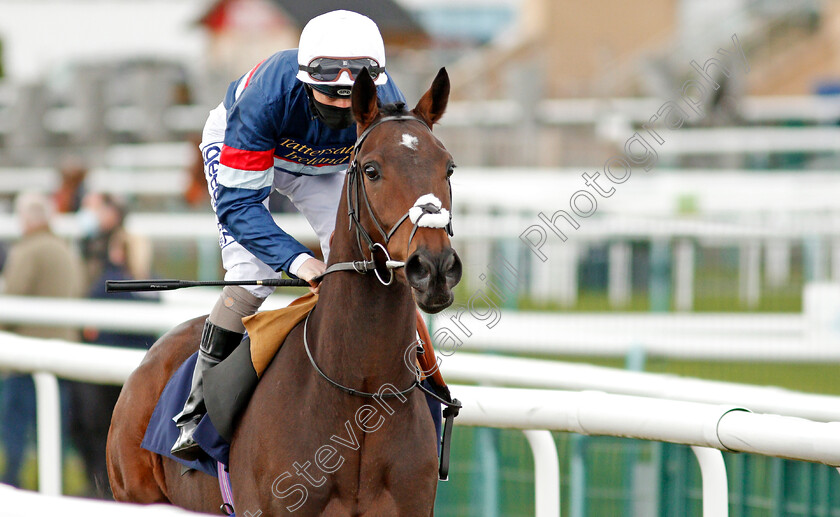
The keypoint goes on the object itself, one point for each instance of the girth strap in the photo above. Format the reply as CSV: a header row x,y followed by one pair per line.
x,y
226,490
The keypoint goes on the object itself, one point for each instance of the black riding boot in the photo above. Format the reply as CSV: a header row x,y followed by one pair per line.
x,y
216,344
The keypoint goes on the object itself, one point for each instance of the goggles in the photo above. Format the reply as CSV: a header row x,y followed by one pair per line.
x,y
325,69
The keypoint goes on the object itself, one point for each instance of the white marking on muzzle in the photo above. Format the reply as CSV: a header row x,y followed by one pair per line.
x,y
427,212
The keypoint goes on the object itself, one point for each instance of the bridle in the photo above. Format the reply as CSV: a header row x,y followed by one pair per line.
x,y
423,208
426,212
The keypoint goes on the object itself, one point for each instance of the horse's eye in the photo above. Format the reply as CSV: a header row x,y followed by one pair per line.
x,y
450,170
372,172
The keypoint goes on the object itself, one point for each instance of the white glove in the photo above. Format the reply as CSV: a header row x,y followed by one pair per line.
x,y
307,271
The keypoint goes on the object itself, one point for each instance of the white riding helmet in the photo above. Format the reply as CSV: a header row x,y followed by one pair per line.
x,y
334,46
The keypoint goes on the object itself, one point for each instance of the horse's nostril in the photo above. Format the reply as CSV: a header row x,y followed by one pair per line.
x,y
453,269
417,272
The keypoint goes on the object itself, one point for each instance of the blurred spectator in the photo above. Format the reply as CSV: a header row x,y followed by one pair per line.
x,y
196,194
91,405
100,216
39,264
4,250
68,197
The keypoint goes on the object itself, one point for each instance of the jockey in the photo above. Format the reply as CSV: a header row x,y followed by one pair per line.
x,y
285,125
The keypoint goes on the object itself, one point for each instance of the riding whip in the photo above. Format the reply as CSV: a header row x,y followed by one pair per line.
x,y
113,286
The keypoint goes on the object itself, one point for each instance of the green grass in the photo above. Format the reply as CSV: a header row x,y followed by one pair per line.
x,y
807,377
771,301
74,479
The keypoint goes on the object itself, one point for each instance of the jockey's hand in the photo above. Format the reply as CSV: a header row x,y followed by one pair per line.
x,y
309,270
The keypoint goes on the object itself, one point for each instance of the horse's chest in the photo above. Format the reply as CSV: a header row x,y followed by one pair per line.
x,y
323,453
363,466
393,475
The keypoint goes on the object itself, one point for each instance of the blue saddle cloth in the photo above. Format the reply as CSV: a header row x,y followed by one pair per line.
x,y
162,431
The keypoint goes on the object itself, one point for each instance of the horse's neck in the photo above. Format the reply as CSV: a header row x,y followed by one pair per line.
x,y
361,329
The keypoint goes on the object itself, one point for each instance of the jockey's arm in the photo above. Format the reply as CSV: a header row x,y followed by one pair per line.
x,y
242,212
246,174
251,224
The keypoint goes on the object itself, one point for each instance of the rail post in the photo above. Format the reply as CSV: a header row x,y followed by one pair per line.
x,y
546,473
48,422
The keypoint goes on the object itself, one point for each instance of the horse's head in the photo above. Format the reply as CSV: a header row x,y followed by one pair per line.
x,y
403,171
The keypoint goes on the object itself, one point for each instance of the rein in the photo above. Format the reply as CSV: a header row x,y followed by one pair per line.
x,y
345,389
426,205
358,393
451,407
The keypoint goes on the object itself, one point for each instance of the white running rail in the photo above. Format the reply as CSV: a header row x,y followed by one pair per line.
x,y
23,503
705,426
754,337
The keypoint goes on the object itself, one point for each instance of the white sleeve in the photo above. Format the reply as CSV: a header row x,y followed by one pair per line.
x,y
297,262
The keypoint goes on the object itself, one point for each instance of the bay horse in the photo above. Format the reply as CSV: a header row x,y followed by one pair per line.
x,y
301,445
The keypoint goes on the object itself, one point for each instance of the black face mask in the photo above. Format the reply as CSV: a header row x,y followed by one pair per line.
x,y
332,116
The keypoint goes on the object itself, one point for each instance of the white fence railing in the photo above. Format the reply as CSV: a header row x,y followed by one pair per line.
x,y
767,337
22,503
483,227
702,425
670,330
783,211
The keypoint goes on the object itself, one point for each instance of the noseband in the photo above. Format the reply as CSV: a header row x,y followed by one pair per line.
x,y
426,212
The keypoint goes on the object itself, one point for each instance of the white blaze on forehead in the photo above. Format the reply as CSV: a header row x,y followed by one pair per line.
x,y
409,141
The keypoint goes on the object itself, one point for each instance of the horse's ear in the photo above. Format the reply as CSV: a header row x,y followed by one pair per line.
x,y
433,103
364,100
